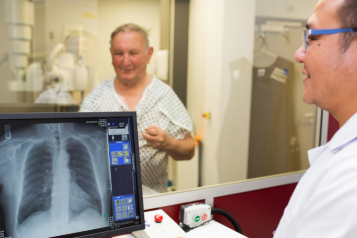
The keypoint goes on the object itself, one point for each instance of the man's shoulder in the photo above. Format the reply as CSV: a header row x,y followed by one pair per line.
x,y
171,105
104,86
98,96
164,91
348,153
103,89
159,85
335,167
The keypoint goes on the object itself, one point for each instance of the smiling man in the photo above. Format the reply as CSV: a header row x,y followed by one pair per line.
x,y
164,125
324,203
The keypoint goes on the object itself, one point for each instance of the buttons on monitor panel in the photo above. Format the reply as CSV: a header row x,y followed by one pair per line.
x,y
126,160
130,200
121,151
124,205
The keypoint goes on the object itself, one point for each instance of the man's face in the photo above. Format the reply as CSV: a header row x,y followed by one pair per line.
x,y
130,57
327,67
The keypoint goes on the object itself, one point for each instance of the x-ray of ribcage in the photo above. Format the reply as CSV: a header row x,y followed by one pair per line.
x,y
54,179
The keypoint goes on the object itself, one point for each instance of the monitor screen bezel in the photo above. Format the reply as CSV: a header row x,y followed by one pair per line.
x,y
75,115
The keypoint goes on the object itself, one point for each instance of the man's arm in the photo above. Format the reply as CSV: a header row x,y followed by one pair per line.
x,y
178,149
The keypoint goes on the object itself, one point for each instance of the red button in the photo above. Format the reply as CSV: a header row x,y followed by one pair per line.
x,y
204,217
158,218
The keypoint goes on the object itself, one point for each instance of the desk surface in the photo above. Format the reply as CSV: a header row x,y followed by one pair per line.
x,y
212,229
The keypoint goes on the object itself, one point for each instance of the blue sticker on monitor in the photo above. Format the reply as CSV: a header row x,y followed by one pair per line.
x,y
120,153
124,207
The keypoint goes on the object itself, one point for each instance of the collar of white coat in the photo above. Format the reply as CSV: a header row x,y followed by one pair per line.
x,y
345,135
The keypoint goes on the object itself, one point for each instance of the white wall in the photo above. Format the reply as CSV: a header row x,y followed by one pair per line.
x,y
233,145
113,13
205,49
220,32
196,68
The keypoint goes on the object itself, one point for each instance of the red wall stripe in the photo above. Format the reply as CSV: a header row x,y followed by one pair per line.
x,y
257,212
333,127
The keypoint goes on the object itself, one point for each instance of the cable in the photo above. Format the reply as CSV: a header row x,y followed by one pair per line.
x,y
229,217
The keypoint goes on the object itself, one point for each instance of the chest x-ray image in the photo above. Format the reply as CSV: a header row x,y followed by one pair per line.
x,y
54,179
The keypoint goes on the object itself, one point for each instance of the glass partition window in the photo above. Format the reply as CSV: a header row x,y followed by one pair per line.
x,y
240,71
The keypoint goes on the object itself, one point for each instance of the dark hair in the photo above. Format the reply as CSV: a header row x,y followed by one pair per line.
x,y
129,27
347,14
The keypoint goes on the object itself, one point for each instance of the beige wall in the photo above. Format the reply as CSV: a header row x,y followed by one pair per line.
x,y
165,22
68,12
220,32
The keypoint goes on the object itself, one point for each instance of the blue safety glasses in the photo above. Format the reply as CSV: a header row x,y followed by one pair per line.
x,y
307,33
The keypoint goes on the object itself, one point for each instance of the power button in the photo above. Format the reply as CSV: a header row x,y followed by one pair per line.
x,y
158,218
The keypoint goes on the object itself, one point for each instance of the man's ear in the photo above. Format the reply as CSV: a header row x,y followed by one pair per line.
x,y
150,52
111,53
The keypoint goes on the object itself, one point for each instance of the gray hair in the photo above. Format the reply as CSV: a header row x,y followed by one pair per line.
x,y
129,27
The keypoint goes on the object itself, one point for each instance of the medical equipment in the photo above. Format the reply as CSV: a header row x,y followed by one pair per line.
x,y
62,175
195,215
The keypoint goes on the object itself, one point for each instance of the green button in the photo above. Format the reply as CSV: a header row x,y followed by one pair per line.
x,y
197,218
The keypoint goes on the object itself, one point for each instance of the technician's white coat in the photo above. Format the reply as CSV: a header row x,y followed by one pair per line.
x,y
324,203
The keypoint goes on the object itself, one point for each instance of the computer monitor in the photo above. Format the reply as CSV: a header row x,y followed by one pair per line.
x,y
69,175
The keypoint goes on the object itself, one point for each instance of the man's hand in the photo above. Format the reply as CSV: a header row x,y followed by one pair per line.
x,y
178,149
157,138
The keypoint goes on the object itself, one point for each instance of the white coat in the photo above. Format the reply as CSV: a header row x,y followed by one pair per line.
x,y
324,203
